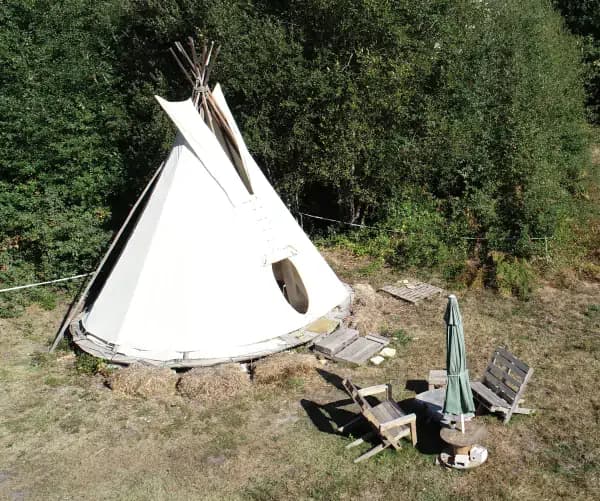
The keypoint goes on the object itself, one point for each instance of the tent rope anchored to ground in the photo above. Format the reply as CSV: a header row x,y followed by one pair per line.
x,y
210,266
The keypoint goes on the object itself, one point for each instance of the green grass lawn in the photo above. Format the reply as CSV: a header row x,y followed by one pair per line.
x,y
65,435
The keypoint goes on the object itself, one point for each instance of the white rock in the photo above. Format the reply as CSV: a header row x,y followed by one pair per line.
x,y
388,352
377,360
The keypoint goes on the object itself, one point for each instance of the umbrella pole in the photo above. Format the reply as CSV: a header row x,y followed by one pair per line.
x,y
462,423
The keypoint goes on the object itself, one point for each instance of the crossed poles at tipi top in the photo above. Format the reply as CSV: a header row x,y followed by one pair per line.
x,y
197,68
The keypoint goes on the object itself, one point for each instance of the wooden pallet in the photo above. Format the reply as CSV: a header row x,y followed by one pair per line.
x,y
361,350
333,343
413,293
345,345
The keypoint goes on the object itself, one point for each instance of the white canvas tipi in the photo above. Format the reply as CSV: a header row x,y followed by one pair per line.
x,y
215,267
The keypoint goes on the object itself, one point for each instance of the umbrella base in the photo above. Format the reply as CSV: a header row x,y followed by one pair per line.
x,y
464,452
464,458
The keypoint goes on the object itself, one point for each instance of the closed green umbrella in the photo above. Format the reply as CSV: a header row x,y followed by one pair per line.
x,y
459,399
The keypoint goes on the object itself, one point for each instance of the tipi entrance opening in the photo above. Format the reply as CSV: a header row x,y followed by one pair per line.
x,y
291,285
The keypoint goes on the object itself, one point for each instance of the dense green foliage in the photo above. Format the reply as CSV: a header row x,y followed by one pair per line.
x,y
61,125
434,119
583,19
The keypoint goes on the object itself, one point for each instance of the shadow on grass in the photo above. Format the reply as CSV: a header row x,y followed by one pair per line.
x,y
329,417
416,385
332,379
428,431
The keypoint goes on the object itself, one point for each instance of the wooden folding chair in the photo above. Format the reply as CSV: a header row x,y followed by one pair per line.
x,y
387,419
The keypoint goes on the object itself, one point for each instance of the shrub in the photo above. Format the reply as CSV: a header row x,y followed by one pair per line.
x,y
424,236
62,125
513,276
583,19
437,119
88,364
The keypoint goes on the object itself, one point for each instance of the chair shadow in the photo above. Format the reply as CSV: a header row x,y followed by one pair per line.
x,y
332,379
329,417
428,431
416,385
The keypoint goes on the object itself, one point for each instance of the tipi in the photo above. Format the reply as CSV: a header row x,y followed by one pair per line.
x,y
212,267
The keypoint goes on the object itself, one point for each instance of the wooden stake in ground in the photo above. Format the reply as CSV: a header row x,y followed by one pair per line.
x,y
76,307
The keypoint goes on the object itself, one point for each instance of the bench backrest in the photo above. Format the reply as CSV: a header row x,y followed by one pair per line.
x,y
362,402
506,375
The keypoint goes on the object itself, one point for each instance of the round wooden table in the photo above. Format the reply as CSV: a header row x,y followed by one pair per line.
x,y
432,402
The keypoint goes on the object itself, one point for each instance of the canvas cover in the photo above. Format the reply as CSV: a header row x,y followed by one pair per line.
x,y
195,279
459,397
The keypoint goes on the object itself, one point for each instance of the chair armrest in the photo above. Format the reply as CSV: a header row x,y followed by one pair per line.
x,y
399,421
373,390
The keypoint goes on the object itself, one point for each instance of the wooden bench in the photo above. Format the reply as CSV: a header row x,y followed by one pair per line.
x,y
503,383
501,387
386,418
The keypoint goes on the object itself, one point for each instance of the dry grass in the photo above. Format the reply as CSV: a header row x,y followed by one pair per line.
x,y
213,384
64,435
371,310
279,368
367,310
142,381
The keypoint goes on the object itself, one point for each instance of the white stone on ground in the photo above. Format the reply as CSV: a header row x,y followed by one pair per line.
x,y
377,360
388,352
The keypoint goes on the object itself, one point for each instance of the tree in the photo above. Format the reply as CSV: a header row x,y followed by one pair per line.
x,y
583,19
61,123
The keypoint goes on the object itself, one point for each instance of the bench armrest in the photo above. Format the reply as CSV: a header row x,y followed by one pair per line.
x,y
399,421
373,390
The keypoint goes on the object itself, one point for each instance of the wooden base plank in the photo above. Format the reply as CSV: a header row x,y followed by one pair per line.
x,y
372,452
323,325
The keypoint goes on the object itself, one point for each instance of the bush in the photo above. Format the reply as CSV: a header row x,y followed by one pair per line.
x,y
513,276
88,364
62,125
362,105
583,19
425,236
437,119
